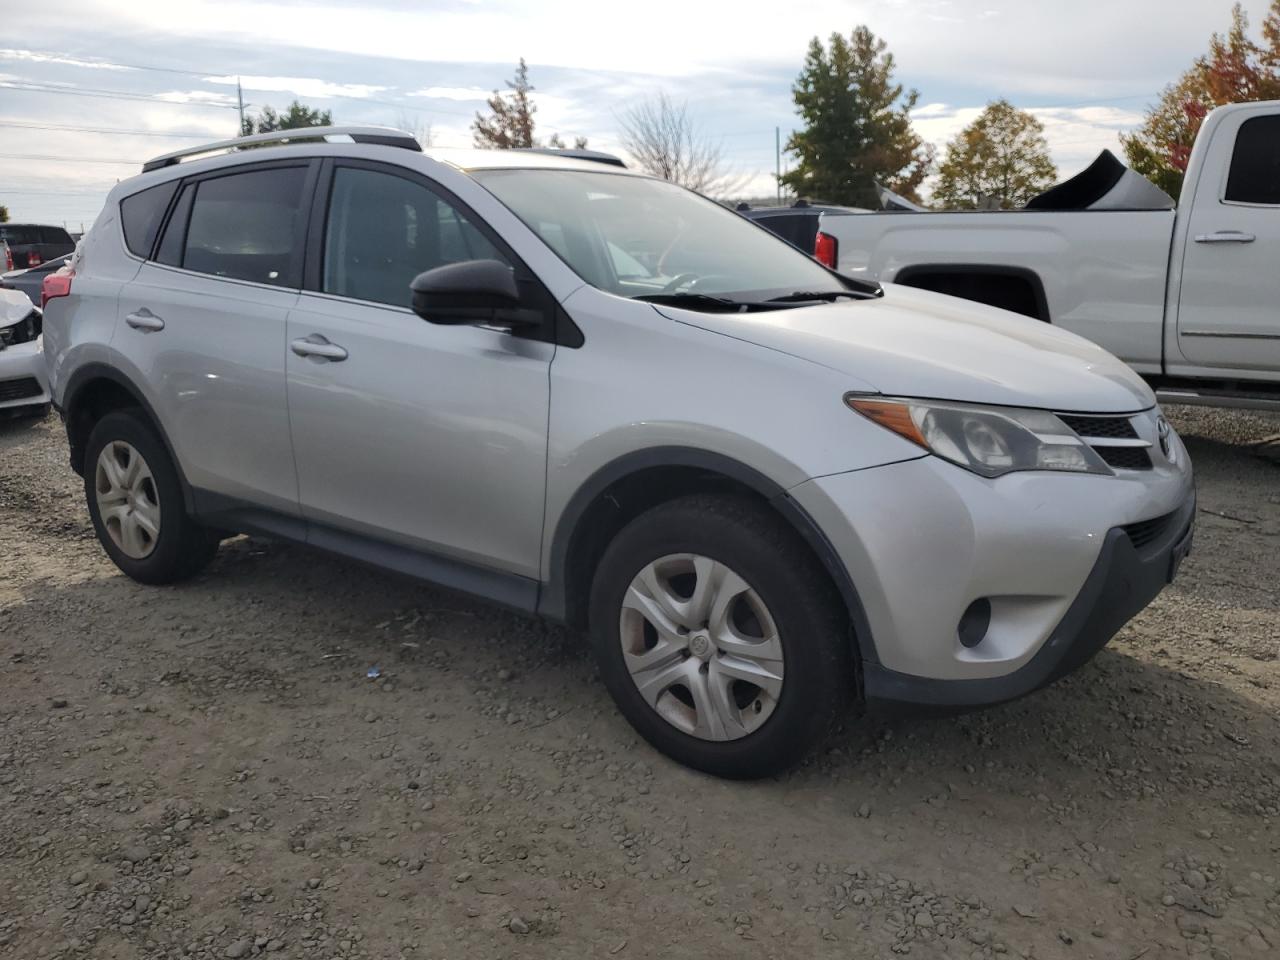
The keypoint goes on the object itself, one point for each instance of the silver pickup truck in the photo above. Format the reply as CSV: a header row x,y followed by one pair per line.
x,y
1188,294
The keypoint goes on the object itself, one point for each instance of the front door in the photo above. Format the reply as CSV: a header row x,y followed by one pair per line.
x,y
428,437
1229,303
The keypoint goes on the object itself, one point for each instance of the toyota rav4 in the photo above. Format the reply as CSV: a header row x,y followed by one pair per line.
x,y
762,488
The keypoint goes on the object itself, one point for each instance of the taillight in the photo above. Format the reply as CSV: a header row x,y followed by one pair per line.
x,y
56,284
824,249
8,258
33,259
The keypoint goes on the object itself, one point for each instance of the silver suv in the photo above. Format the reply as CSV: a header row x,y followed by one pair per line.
x,y
764,488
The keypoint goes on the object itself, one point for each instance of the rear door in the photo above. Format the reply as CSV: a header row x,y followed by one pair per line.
x,y
204,320
406,432
1228,314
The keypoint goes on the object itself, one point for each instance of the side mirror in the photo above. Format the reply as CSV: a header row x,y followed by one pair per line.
x,y
471,292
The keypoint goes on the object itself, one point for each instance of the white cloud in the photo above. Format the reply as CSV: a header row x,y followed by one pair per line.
x,y
453,93
31,56
197,96
301,86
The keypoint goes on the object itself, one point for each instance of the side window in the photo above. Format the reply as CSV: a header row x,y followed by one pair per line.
x,y
140,215
1255,163
383,230
244,226
55,235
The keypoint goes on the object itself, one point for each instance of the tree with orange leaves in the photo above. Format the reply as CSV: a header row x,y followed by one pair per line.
x,y
1236,69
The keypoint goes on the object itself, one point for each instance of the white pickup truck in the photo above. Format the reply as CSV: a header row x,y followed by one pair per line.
x,y
1189,296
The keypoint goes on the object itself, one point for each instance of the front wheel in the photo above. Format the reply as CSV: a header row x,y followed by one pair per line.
x,y
135,501
720,637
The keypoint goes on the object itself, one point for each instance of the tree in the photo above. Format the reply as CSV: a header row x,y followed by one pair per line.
x,y
1235,70
4,214
664,142
857,125
296,117
510,123
556,141
1001,156
421,129
1159,150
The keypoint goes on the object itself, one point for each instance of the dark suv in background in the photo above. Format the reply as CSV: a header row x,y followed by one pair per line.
x,y
32,244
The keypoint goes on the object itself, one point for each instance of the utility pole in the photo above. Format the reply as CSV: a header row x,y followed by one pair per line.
x,y
777,159
240,100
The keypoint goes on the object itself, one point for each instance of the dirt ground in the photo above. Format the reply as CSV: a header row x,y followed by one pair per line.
x,y
207,771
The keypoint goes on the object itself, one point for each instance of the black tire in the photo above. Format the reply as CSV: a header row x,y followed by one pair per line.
x,y
811,622
183,548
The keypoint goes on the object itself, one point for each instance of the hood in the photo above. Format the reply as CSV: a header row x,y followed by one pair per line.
x,y
914,343
15,306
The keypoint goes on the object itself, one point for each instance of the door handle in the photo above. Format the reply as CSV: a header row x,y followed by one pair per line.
x,y
144,320
1225,236
317,347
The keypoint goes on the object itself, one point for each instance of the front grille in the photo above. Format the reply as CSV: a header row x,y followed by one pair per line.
x,y
1124,458
1114,439
1109,428
1145,532
19,389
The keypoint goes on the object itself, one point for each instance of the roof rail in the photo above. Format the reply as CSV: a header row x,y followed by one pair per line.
x,y
577,154
387,136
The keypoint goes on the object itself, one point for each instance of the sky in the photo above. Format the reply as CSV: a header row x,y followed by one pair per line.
x,y
89,93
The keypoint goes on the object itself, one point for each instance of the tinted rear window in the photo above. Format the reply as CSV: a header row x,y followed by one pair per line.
x,y
1255,164
140,215
245,226
19,234
55,235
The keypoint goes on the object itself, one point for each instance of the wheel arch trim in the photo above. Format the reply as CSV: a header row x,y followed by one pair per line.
x,y
991,270
94,371
553,594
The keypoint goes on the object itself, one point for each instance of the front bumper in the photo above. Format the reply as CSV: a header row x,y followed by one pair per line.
x,y
1123,581
24,381
922,540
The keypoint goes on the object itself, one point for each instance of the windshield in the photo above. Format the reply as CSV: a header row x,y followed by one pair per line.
x,y
642,238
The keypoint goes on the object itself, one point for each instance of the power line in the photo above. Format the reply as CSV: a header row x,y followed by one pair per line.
x,y
30,87
121,130
33,156
46,57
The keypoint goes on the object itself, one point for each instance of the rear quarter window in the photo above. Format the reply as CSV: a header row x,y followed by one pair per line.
x,y
140,216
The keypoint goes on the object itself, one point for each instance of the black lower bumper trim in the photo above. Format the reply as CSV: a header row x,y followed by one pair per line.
x,y
1123,581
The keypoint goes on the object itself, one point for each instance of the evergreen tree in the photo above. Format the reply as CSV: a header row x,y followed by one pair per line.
x,y
857,125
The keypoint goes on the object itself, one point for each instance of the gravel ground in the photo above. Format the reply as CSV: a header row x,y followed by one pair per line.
x,y
206,771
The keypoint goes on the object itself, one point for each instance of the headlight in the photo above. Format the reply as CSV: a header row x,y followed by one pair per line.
x,y
990,441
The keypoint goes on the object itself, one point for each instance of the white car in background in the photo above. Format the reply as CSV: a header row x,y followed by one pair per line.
x,y
24,385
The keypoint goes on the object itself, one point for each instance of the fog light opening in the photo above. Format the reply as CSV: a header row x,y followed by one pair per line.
x,y
974,623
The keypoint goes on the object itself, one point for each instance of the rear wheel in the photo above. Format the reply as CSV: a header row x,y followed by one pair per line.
x,y
720,637
135,502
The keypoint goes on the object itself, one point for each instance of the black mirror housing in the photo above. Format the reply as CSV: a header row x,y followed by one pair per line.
x,y
471,291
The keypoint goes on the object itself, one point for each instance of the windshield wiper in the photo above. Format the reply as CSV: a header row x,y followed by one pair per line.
x,y
829,295
695,301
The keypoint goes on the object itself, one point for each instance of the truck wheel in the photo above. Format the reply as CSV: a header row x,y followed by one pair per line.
x,y
135,502
720,637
